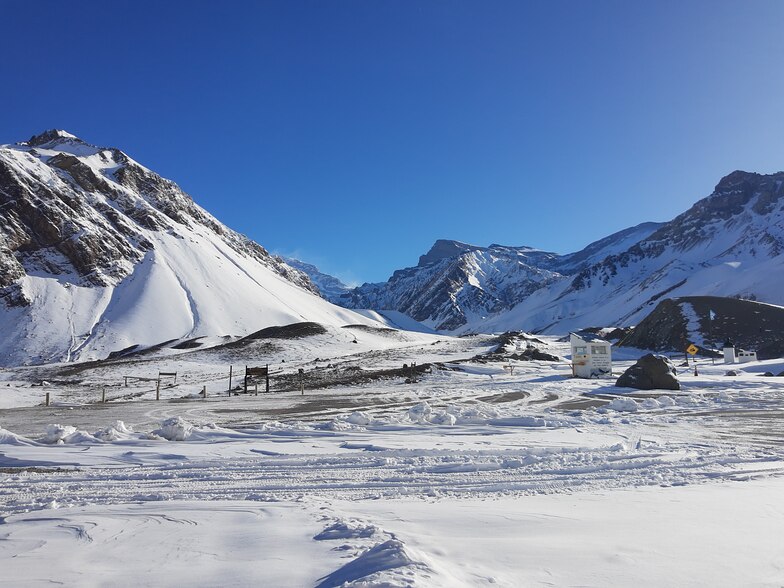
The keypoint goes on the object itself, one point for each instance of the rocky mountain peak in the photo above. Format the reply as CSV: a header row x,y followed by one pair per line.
x,y
735,179
443,249
52,136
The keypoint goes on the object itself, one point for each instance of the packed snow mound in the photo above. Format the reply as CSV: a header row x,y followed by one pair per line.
x,y
57,434
369,568
118,431
174,429
345,529
98,254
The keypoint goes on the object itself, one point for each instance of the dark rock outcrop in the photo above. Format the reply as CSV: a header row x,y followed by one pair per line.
x,y
651,372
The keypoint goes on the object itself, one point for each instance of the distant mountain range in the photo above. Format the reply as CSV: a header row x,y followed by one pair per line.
x,y
98,253
728,244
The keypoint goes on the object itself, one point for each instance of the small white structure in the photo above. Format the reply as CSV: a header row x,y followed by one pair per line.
x,y
729,352
591,355
731,355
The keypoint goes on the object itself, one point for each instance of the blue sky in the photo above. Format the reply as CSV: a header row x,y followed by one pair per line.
x,y
355,133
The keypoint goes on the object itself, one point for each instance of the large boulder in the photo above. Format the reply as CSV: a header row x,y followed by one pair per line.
x,y
651,372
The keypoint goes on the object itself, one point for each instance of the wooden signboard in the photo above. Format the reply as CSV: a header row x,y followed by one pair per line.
x,y
256,372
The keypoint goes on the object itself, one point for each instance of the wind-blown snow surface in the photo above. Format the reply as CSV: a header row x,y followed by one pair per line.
x,y
99,254
471,476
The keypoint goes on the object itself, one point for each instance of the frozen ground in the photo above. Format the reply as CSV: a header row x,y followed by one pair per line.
x,y
470,476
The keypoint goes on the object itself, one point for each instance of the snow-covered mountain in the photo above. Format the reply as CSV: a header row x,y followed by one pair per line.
x,y
457,286
447,292
98,253
328,286
728,244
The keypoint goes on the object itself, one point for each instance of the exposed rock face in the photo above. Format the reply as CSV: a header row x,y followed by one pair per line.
x,y
651,372
61,215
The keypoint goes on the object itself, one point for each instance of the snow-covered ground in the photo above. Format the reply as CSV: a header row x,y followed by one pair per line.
x,y
470,476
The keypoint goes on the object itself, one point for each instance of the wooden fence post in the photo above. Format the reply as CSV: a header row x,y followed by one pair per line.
x,y
231,368
103,395
158,389
47,399
267,377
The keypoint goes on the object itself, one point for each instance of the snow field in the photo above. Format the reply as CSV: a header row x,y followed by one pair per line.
x,y
469,477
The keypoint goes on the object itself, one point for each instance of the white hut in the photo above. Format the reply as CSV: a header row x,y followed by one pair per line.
x,y
591,355
732,355
729,352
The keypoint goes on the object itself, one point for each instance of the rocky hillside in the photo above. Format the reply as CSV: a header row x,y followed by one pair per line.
x,y
97,253
708,321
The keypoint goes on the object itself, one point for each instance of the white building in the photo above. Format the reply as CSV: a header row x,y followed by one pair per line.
x,y
591,355
732,355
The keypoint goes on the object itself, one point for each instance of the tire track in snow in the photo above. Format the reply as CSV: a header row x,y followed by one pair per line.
x,y
376,472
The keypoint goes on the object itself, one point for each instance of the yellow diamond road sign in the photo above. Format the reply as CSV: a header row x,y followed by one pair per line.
x,y
692,349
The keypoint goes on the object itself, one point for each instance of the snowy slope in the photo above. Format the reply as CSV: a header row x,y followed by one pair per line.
x,y
98,253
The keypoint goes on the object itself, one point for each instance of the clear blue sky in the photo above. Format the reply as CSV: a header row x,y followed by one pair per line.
x,y
355,133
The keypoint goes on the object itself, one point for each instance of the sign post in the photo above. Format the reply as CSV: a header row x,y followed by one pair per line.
x,y
253,372
692,350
